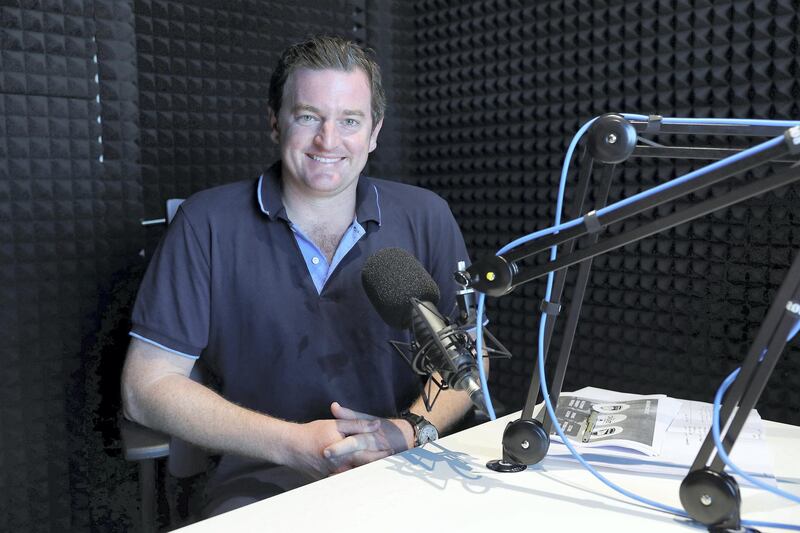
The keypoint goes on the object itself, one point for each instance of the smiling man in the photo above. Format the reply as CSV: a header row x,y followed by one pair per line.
x,y
259,282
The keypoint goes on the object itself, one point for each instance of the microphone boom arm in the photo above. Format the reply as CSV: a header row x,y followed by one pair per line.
x,y
612,140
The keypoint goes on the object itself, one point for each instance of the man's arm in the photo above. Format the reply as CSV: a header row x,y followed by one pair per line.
x,y
157,392
395,435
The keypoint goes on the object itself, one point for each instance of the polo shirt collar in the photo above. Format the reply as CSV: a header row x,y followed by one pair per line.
x,y
368,207
271,203
269,192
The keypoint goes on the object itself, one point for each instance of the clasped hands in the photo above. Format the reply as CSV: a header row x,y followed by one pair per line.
x,y
349,440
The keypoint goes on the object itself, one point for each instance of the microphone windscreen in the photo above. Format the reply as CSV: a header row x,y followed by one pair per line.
x,y
391,277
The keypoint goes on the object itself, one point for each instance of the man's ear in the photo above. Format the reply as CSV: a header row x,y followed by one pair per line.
x,y
273,122
373,137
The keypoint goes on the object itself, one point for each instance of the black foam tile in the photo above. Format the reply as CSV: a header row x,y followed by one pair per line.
x,y
573,62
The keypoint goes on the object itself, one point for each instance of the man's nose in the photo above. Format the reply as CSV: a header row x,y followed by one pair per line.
x,y
327,137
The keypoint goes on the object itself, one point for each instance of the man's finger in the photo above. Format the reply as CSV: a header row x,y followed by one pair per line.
x,y
343,447
364,442
354,427
343,413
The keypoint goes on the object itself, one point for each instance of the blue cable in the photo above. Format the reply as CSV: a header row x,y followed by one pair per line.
x,y
559,207
542,322
718,121
716,433
561,227
626,201
731,121
608,209
551,412
570,224
487,400
794,332
692,175
679,512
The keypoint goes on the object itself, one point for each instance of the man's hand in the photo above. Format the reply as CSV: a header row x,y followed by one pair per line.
x,y
313,438
385,438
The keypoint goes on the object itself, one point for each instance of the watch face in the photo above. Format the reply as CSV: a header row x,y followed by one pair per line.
x,y
427,433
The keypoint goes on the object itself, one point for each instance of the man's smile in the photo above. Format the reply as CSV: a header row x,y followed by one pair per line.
x,y
325,160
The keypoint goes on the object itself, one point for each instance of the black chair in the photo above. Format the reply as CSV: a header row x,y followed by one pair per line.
x,y
145,446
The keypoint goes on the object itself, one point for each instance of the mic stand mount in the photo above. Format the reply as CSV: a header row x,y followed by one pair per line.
x,y
611,140
422,353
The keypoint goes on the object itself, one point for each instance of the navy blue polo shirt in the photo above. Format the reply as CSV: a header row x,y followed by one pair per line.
x,y
233,283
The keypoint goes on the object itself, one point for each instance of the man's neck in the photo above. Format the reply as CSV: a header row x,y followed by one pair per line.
x,y
324,219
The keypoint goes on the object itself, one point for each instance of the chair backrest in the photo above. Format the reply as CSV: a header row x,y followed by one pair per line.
x,y
172,208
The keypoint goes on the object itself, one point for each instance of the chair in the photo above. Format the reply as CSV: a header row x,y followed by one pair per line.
x,y
145,445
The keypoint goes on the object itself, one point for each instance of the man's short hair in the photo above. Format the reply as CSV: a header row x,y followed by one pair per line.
x,y
320,53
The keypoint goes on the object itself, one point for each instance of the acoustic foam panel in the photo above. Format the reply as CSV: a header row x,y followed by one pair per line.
x,y
76,169
500,87
49,150
204,74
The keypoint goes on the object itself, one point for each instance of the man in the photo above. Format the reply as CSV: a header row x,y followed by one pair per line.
x,y
259,280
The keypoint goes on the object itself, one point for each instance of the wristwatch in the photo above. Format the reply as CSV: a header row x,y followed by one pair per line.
x,y
424,431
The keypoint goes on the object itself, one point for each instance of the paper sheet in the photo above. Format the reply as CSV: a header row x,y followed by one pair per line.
x,y
597,419
681,437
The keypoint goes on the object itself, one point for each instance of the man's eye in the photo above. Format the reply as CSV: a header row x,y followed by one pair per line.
x,y
306,118
351,123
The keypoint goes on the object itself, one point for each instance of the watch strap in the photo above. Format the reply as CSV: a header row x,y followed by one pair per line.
x,y
416,422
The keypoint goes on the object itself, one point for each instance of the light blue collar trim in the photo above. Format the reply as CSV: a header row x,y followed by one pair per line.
x,y
377,204
260,201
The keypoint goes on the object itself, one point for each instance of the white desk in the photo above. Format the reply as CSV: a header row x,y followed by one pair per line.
x,y
447,487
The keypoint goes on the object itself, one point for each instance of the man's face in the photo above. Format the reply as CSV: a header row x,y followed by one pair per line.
x,y
324,129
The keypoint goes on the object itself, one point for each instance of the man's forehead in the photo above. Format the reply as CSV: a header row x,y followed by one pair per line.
x,y
352,84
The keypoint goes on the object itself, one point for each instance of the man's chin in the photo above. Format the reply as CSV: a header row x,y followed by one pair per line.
x,y
327,184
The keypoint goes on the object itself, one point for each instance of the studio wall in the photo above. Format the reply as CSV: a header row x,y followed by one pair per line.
x,y
108,108
500,87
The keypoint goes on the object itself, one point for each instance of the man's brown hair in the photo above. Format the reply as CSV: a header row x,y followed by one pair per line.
x,y
327,52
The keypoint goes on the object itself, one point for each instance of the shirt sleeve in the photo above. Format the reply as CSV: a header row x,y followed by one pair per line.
x,y
172,306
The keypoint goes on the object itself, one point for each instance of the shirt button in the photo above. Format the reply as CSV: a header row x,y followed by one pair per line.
x,y
315,260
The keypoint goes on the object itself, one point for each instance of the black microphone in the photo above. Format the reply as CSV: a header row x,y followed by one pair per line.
x,y
405,296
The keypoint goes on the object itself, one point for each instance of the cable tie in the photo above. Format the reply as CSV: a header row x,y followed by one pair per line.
x,y
550,308
653,124
792,138
591,222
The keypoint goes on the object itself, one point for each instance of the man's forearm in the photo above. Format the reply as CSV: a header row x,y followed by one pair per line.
x,y
184,408
449,408
158,392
